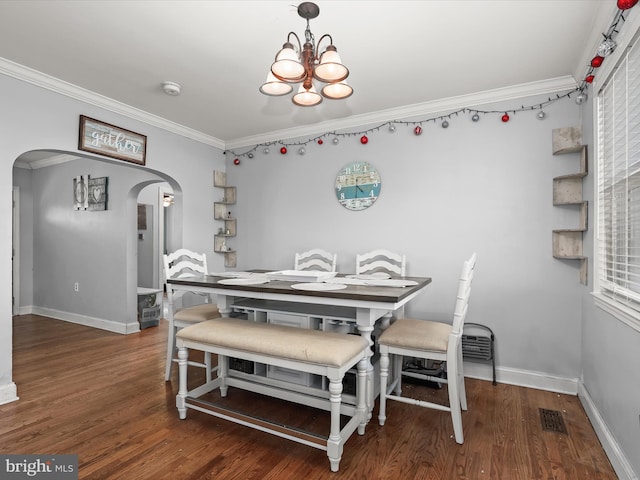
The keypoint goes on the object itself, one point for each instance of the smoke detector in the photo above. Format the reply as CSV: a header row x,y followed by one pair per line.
x,y
171,88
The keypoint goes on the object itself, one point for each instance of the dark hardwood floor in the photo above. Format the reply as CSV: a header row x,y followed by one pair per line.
x,y
102,396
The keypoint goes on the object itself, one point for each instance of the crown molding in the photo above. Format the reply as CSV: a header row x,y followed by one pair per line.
x,y
53,84
48,82
45,162
543,87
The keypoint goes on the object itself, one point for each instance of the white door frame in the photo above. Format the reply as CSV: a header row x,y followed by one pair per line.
x,y
15,252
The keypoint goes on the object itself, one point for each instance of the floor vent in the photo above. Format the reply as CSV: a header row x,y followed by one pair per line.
x,y
552,421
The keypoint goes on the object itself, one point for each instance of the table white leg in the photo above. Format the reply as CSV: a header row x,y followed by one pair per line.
x,y
183,355
224,304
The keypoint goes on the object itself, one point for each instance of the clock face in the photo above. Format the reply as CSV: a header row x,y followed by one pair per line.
x,y
357,185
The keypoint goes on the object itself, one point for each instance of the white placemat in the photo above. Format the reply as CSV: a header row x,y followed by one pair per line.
x,y
371,276
318,287
243,281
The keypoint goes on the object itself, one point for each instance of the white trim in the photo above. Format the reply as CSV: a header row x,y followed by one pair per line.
x,y
8,393
45,162
102,324
544,87
15,245
626,315
618,460
48,82
522,378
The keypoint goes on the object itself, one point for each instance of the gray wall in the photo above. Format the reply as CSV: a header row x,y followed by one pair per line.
x,y
476,186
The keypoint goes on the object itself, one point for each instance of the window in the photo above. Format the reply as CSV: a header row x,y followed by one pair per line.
x,y
618,190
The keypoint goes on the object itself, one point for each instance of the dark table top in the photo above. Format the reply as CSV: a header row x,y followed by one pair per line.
x,y
369,293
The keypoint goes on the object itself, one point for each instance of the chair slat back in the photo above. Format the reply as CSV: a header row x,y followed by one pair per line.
x,y
316,259
381,260
183,263
464,292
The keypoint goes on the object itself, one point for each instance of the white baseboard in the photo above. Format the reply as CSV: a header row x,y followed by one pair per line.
x,y
522,378
618,460
8,393
100,323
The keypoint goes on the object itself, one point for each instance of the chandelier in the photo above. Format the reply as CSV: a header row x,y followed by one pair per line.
x,y
305,64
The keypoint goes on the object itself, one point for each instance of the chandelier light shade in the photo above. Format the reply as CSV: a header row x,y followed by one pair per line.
x,y
304,63
275,87
307,97
337,91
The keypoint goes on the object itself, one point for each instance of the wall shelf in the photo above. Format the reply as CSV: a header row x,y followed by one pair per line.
x,y
222,213
567,190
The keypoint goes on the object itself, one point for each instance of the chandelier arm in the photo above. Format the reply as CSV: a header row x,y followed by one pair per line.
x,y
318,44
297,40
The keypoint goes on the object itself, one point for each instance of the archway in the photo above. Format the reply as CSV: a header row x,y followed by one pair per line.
x,y
103,244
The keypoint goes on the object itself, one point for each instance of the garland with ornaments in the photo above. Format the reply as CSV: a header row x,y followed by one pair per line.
x,y
606,48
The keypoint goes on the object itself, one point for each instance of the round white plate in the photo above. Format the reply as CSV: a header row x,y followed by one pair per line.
x,y
318,287
243,281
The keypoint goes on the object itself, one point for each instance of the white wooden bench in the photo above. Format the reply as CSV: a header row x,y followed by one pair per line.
x,y
329,354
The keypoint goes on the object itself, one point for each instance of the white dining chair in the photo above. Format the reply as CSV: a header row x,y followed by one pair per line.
x,y
429,340
316,259
179,264
381,260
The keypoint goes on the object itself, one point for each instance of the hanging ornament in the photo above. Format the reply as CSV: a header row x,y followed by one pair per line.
x,y
626,4
445,124
364,140
250,154
607,47
266,150
581,98
505,117
236,161
597,61
541,115
320,142
336,140
302,151
475,117
392,128
417,130
589,78
283,150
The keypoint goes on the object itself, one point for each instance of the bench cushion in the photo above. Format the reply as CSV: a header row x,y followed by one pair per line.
x,y
309,346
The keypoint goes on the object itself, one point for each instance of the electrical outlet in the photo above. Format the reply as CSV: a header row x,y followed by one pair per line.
x,y
75,286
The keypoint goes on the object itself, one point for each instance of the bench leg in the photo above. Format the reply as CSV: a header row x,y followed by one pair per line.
x,y
361,389
223,371
183,355
335,443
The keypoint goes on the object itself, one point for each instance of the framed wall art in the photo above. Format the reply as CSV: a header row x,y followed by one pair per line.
x,y
98,193
111,141
81,192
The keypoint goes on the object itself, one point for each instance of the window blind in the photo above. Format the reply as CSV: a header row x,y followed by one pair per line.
x,y
618,222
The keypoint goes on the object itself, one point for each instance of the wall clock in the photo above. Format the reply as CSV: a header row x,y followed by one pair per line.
x,y
358,185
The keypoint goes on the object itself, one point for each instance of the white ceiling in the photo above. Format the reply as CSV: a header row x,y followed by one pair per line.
x,y
404,56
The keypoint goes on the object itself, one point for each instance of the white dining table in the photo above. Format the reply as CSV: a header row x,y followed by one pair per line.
x,y
363,303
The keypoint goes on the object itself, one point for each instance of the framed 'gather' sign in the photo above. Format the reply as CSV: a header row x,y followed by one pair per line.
x,y
115,142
